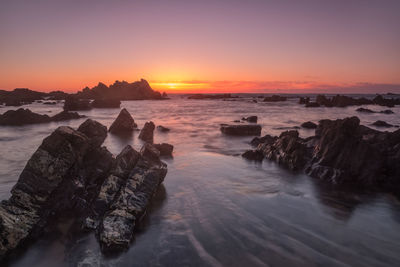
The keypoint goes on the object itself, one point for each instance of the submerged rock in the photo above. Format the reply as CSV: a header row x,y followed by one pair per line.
x,y
309,125
71,174
380,123
123,123
147,133
65,115
25,116
243,130
250,119
342,151
253,155
366,110
163,129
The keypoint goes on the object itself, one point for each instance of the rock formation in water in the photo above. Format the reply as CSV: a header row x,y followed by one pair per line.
x,y
139,90
345,101
216,96
147,132
165,149
106,103
380,123
241,129
366,110
275,98
309,125
25,116
19,96
342,151
70,173
250,119
74,103
124,123
163,129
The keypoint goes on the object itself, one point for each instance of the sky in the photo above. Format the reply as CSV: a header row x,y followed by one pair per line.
x,y
202,46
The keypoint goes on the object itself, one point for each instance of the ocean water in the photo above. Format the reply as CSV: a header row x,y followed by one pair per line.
x,y
216,208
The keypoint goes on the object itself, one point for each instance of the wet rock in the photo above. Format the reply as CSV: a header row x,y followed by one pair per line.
x,y
96,131
253,155
147,133
20,96
275,98
106,103
250,119
75,104
387,111
216,96
21,117
49,103
66,115
163,129
265,139
304,100
241,130
365,110
312,105
309,125
342,151
123,123
345,101
380,123
165,149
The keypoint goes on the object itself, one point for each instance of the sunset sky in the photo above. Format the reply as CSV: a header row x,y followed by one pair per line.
x,y
202,46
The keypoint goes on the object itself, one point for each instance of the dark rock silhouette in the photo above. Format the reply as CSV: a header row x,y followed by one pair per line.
x,y
265,139
106,103
139,90
312,105
25,116
253,155
309,125
75,104
245,129
345,101
71,174
147,133
304,100
20,96
123,123
275,98
366,110
216,96
341,152
251,119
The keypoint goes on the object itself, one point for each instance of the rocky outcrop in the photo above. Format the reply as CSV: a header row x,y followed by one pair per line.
x,y
124,123
106,103
147,133
250,119
253,155
241,130
165,149
25,116
342,151
71,174
19,96
366,110
275,98
75,104
139,90
309,125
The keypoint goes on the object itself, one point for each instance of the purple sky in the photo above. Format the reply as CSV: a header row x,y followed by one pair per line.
x,y
67,45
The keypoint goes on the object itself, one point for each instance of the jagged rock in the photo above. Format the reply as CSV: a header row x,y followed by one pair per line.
x,y
106,103
72,103
344,101
21,117
123,123
275,98
253,155
147,133
380,123
163,129
342,151
65,115
117,226
19,96
265,139
71,174
248,129
250,119
96,131
309,125
165,149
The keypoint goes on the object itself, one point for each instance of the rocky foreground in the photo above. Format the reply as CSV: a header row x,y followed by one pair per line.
x,y
342,152
71,173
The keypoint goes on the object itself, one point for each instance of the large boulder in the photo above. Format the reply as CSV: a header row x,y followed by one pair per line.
x,y
75,104
250,119
106,103
147,133
165,149
124,123
66,115
94,130
309,125
241,130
